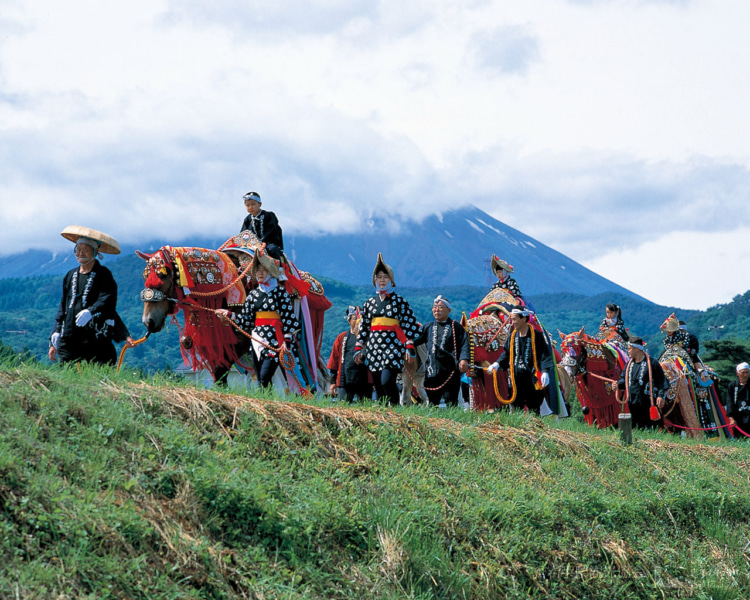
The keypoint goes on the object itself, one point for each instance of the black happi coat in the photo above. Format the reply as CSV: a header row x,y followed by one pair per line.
x,y
523,356
343,368
636,375
738,403
509,284
442,356
619,328
266,228
276,300
97,292
382,349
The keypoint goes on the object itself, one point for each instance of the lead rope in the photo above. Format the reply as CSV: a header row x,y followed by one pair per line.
x,y
126,346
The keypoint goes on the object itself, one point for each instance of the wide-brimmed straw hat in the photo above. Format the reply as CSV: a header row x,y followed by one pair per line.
x,y
671,324
498,263
271,265
381,266
107,244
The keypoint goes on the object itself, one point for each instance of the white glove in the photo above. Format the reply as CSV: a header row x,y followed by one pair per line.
x,y
54,340
493,367
83,317
545,379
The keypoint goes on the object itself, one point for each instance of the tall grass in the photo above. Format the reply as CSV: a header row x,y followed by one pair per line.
x,y
116,487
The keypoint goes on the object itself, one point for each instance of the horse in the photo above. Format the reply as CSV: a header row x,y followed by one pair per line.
x,y
488,327
595,364
692,401
197,281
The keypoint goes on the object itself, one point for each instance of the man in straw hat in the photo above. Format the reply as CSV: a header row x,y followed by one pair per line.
x,y
447,354
386,333
738,399
645,383
87,321
674,335
269,313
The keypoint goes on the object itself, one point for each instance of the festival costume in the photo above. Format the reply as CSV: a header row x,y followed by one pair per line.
x,y
618,328
351,379
268,312
738,404
636,376
508,284
525,366
447,345
693,346
265,226
96,292
677,337
387,327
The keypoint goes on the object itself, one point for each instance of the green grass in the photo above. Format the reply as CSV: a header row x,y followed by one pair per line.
x,y
114,487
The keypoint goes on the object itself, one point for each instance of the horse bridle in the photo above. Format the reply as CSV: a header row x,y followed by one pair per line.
x,y
150,294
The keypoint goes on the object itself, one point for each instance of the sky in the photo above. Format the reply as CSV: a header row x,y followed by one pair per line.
x,y
611,130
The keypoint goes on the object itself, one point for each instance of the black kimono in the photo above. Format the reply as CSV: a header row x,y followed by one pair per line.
x,y
97,292
523,369
447,345
266,228
738,404
639,396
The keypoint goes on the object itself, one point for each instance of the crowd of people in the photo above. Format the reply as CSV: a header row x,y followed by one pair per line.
x,y
381,337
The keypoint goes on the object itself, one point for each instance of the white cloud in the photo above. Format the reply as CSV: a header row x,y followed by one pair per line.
x,y
589,125
701,269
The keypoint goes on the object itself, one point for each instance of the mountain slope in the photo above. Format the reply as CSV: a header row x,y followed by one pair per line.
x,y
443,250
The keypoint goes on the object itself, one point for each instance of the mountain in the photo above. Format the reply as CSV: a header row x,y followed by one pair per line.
x,y
450,249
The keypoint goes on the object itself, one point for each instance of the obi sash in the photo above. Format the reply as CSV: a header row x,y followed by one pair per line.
x,y
387,324
272,318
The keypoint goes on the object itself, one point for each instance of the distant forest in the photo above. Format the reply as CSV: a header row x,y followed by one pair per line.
x,y
28,306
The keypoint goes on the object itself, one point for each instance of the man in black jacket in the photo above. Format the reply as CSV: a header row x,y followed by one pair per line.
x,y
645,383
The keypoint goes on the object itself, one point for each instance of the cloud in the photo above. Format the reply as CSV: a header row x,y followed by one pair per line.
x,y
505,51
676,265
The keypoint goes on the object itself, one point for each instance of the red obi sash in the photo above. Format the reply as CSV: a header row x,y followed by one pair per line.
x,y
386,324
273,319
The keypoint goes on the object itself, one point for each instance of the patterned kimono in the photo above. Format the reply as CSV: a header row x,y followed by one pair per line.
x,y
678,337
386,325
270,316
509,284
618,328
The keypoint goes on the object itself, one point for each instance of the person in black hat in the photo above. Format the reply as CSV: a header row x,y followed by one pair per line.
x,y
349,379
447,354
263,224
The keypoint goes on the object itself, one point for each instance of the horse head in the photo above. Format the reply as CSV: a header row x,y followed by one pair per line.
x,y
573,349
159,294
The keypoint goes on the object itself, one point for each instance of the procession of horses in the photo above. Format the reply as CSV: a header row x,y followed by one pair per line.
x,y
259,334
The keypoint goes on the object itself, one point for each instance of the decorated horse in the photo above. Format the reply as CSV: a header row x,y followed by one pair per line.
x,y
488,328
595,364
692,401
198,281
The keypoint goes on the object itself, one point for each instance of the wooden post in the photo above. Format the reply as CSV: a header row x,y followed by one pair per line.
x,y
626,428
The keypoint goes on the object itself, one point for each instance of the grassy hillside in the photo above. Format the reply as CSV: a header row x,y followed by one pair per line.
x,y
115,487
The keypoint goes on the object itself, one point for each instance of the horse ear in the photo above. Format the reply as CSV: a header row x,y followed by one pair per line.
x,y
583,329
562,335
143,255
